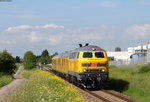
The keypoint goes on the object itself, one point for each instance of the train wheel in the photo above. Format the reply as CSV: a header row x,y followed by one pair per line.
x,y
74,79
69,78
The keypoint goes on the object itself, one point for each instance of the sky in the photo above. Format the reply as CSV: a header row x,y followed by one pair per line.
x,y
60,25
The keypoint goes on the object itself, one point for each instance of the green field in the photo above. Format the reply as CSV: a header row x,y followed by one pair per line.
x,y
133,81
44,87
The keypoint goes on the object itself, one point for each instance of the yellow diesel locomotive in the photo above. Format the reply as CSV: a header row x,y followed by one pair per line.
x,y
86,66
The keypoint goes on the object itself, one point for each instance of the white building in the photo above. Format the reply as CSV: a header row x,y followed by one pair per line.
x,y
119,58
123,55
133,55
139,49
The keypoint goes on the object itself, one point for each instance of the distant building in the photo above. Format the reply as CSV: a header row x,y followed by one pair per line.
x,y
119,58
139,49
139,54
119,55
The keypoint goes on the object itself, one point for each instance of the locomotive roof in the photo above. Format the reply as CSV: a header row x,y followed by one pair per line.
x,y
84,48
89,48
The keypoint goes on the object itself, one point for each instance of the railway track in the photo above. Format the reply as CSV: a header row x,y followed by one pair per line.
x,y
102,95
110,96
105,96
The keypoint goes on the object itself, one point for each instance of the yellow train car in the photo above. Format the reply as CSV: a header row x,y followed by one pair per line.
x,y
86,66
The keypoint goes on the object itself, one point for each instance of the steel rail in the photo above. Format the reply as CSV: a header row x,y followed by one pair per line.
x,y
128,98
98,96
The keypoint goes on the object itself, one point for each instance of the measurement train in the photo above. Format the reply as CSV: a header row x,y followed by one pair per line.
x,y
86,66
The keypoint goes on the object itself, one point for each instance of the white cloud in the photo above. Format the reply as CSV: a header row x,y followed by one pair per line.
x,y
51,26
139,31
26,27
33,37
89,37
17,28
55,40
48,35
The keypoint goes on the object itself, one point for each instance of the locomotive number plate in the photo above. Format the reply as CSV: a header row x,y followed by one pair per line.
x,y
94,64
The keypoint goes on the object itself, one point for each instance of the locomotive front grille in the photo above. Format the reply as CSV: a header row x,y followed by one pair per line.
x,y
93,70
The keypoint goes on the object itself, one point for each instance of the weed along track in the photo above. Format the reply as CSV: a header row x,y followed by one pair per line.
x,y
101,95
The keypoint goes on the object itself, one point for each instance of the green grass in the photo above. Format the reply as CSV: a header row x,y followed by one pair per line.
x,y
5,79
44,87
19,64
133,81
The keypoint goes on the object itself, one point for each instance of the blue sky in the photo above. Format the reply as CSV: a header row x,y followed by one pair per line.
x,y
60,25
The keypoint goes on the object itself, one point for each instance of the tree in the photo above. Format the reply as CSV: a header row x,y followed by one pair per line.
x,y
18,59
44,58
55,54
45,53
29,60
7,63
117,49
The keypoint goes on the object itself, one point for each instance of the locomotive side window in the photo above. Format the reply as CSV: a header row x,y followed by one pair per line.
x,y
73,55
87,55
99,54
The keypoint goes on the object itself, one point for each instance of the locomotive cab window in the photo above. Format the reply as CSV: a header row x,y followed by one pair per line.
x,y
73,55
99,54
87,55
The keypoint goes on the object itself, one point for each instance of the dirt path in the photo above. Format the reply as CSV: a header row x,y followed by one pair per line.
x,y
8,89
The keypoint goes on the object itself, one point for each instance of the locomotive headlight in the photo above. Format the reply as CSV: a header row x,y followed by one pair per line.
x,y
103,70
84,70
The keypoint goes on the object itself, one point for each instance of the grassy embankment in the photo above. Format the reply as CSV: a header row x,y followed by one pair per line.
x,y
44,87
6,79
133,81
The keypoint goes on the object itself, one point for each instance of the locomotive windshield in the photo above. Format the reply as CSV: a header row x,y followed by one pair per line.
x,y
87,55
93,55
99,54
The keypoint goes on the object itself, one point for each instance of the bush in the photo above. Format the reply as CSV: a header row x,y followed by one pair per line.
x,y
7,63
29,60
144,69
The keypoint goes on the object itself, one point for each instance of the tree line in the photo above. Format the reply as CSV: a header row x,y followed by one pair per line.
x,y
30,60
8,62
